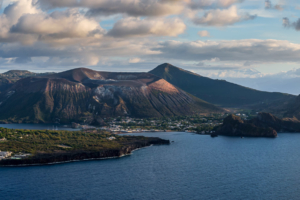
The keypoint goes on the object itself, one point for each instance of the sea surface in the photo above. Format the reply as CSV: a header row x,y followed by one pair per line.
x,y
193,167
39,127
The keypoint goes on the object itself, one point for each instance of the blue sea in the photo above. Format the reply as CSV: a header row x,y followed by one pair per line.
x,y
193,167
39,127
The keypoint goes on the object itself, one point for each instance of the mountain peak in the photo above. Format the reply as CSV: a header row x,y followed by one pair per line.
x,y
217,92
167,71
83,93
77,75
165,67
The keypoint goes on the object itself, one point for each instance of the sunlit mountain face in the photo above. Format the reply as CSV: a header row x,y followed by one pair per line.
x,y
87,94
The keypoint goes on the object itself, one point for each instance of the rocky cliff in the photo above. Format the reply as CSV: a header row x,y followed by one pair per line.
x,y
82,94
280,125
235,126
264,125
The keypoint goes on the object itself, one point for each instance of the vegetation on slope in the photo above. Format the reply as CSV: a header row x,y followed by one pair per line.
x,y
46,141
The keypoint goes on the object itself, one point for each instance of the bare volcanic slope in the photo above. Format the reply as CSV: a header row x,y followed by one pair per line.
x,y
219,92
86,95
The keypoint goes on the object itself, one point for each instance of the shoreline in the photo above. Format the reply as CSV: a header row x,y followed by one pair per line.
x,y
69,126
71,161
80,155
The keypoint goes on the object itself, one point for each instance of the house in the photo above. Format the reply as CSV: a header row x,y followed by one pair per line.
x,y
111,138
5,154
3,139
21,156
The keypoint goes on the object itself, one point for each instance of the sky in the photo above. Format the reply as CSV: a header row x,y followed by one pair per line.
x,y
244,41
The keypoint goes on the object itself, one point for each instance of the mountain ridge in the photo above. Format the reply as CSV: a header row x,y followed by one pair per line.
x,y
83,94
218,92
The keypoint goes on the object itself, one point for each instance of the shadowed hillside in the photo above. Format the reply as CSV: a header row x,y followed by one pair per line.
x,y
218,92
8,78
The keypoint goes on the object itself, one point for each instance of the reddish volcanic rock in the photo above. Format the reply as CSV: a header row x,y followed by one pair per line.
x,y
85,95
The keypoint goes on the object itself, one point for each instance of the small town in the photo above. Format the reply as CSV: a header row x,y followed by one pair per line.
x,y
194,124
121,125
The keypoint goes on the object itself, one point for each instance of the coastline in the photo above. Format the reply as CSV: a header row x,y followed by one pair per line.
x,y
70,161
66,157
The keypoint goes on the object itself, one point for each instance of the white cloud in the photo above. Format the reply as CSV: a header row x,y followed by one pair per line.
x,y
196,4
232,50
223,17
134,60
137,7
233,73
57,25
130,27
204,33
23,22
18,8
129,7
138,31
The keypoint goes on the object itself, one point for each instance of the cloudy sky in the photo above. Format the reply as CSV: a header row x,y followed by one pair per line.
x,y
225,39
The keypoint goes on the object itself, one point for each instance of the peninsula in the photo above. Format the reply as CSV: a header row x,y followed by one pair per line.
x,y
39,147
263,125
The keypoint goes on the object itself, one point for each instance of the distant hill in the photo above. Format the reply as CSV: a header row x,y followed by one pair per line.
x,y
263,125
17,73
83,94
8,78
292,110
218,92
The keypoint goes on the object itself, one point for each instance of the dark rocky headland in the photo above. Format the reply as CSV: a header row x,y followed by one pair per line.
x,y
264,125
80,155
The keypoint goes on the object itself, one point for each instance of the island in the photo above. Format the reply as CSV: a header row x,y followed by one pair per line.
x,y
40,147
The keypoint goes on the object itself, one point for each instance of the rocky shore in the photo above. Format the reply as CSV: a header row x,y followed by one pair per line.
x,y
60,157
264,125
235,126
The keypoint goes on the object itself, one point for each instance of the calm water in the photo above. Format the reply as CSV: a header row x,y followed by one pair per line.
x,y
38,127
193,167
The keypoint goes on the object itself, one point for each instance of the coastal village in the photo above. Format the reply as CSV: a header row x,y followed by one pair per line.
x,y
195,124
120,125
10,155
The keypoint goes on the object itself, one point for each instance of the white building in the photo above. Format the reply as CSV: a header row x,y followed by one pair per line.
x,y
111,138
5,154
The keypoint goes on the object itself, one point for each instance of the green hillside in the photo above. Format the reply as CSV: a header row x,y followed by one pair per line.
x,y
218,92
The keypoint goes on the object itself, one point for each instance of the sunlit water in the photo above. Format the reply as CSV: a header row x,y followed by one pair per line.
x,y
193,167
